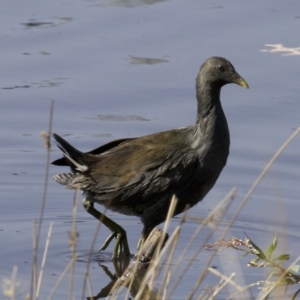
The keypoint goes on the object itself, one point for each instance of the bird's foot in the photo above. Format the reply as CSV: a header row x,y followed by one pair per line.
x,y
121,246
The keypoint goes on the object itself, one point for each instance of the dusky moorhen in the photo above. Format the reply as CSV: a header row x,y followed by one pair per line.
x,y
139,176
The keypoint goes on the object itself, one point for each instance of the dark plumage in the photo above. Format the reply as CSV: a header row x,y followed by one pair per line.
x,y
139,176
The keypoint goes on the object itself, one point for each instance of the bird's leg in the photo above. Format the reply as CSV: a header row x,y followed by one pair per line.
x,y
144,236
116,230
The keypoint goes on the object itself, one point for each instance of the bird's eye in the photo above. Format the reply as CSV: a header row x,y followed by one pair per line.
x,y
221,68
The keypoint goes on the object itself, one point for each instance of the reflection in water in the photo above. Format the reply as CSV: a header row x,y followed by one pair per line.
x,y
55,82
120,267
99,257
36,23
133,276
127,3
16,87
134,60
122,118
67,19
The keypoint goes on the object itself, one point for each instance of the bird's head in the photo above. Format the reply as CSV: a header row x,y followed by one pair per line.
x,y
218,71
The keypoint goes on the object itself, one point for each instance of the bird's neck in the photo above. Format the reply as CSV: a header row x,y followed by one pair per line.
x,y
211,129
208,98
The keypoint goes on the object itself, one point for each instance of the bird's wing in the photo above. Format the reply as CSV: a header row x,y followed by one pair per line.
x,y
140,167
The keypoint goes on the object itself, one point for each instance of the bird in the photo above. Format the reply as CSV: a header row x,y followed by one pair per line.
x,y
139,176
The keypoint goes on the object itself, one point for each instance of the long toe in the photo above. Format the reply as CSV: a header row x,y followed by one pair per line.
x,y
121,246
107,241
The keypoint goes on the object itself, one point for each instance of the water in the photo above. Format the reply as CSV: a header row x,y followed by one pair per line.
x,y
127,68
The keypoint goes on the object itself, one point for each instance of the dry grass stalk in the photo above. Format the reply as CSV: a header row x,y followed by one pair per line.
x,y
158,255
39,283
73,238
60,279
224,280
11,285
88,263
46,138
155,259
219,210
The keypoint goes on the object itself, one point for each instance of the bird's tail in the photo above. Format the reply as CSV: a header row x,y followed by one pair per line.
x,y
74,157
65,179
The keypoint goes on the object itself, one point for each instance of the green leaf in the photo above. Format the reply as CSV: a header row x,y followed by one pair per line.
x,y
282,257
260,254
294,268
272,247
287,281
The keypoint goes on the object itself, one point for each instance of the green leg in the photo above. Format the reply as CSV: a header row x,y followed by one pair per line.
x,y
143,238
116,230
